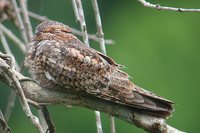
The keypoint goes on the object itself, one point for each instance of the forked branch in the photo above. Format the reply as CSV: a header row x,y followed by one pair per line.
x,y
159,7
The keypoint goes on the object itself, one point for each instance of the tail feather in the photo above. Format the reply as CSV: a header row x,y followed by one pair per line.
x,y
133,96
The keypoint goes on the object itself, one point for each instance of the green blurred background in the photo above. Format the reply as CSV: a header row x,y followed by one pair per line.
x,y
160,50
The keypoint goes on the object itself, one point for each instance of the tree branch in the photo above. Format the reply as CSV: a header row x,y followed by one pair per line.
x,y
100,35
159,7
79,14
9,74
21,24
112,124
13,37
63,96
78,10
27,22
12,96
3,124
47,116
98,122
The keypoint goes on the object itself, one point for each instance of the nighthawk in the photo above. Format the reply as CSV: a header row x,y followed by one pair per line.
x,y
58,58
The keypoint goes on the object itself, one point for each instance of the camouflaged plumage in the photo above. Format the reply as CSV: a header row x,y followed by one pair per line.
x,y
57,58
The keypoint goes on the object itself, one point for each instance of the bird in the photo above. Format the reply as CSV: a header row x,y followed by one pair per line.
x,y
56,57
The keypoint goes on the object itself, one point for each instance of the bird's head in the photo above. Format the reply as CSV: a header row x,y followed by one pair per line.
x,y
52,27
51,30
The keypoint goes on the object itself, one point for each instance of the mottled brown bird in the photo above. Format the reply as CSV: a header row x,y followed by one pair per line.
x,y
58,58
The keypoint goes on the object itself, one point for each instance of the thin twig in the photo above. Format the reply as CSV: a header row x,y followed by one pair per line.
x,y
47,116
36,104
10,104
76,10
82,21
9,60
37,16
12,78
7,48
98,122
4,43
92,37
79,14
159,7
12,96
112,124
19,19
3,124
100,35
27,22
42,119
14,38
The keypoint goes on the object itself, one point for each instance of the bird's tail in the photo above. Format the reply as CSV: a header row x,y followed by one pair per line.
x,y
153,104
131,95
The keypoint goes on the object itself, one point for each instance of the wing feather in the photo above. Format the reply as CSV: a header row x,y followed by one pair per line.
x,y
86,70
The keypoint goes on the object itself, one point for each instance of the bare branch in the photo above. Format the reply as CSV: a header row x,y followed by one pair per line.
x,y
47,116
19,19
81,20
10,104
12,96
92,37
112,124
36,104
148,123
14,38
98,122
159,7
7,48
42,119
27,22
11,77
100,33
76,10
37,16
3,124
79,13
5,44
63,96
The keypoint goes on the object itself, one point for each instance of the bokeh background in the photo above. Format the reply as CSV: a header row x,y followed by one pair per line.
x,y
160,50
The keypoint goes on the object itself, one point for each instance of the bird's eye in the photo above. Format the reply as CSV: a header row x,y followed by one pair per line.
x,y
66,30
57,30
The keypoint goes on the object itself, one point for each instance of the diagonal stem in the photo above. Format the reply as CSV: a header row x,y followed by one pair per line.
x,y
27,23
81,20
21,25
100,35
11,77
13,37
79,14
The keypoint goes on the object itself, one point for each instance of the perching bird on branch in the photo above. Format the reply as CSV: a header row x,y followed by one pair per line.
x,y
58,58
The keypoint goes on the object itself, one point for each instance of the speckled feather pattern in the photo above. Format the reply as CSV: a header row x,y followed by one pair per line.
x,y
57,58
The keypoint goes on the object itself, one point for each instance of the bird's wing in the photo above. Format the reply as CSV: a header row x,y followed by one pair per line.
x,y
83,69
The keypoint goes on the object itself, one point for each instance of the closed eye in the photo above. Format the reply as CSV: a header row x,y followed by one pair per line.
x,y
66,30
